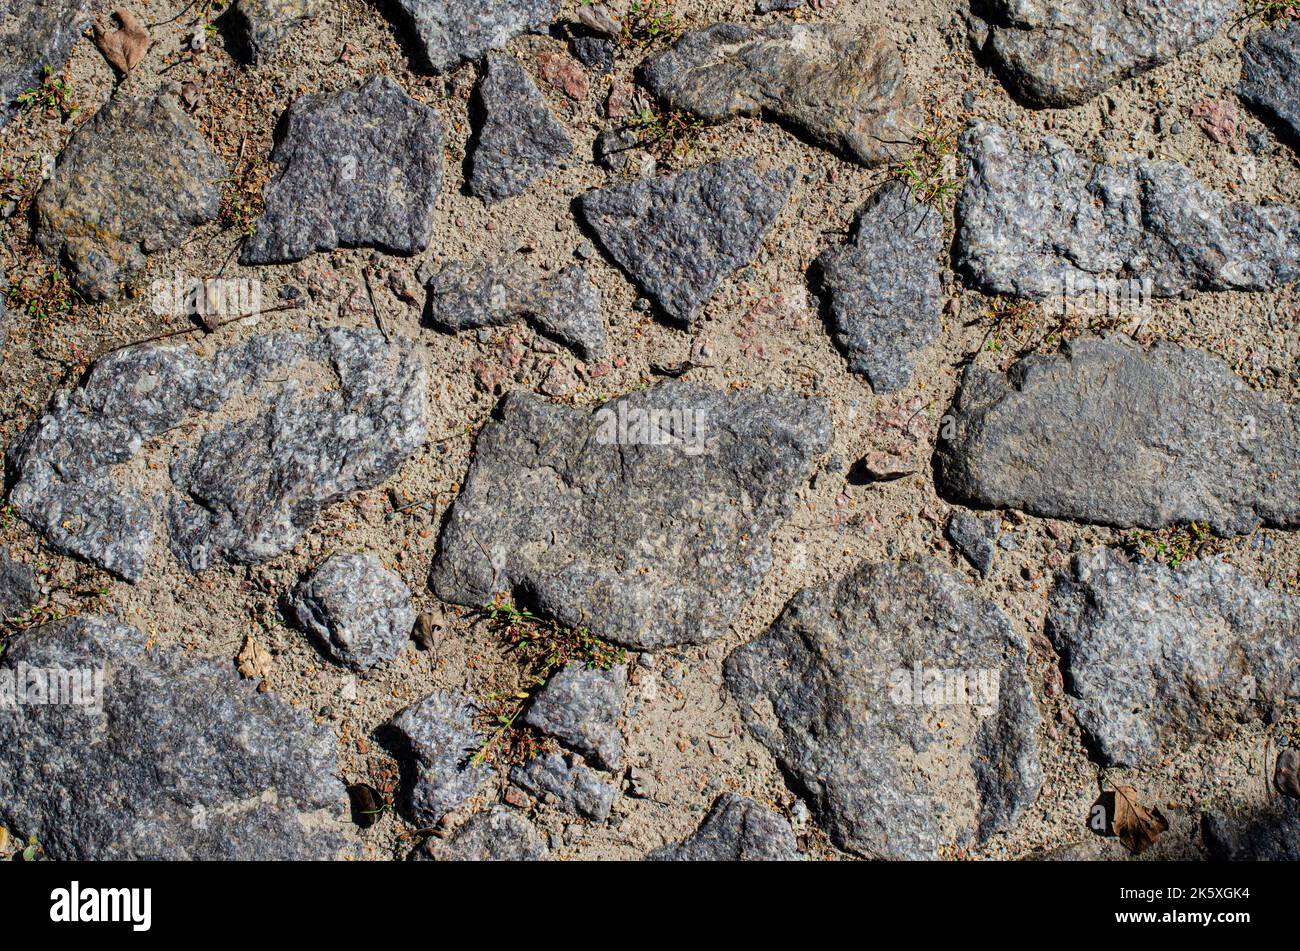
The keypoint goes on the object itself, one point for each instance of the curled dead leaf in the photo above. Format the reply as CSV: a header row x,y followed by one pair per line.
x,y
427,626
123,47
254,660
1133,823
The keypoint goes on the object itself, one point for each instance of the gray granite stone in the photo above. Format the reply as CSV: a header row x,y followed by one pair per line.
x,y
1270,76
519,140
35,34
976,537
497,834
581,707
262,25
735,830
450,32
572,789
438,742
357,610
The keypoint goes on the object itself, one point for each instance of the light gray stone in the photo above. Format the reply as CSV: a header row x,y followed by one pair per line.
x,y
896,700
357,610
735,830
976,537
581,707
497,834
450,32
262,25
1158,658
573,789
439,740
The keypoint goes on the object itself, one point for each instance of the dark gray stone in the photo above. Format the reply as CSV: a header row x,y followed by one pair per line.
x,y
595,52
581,707
615,148
134,180
844,87
179,759
1048,223
679,236
1061,53
246,480
358,611
565,306
735,830
572,789
976,537
884,287
1270,76
497,834
649,520
360,167
440,739
1272,835
1110,433
18,591
1157,658
773,6
450,32
35,34
897,700
263,24
520,140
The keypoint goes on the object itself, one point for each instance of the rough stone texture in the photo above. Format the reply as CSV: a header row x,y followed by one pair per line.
x,y
519,140
134,180
772,6
976,537
1270,76
648,521
450,32
735,830
262,24
183,761
565,307
248,488
827,690
679,236
1109,433
439,737
35,34
884,289
1159,658
1269,836
581,707
358,611
361,167
843,87
18,591
595,52
572,789
497,834
1044,223
1063,52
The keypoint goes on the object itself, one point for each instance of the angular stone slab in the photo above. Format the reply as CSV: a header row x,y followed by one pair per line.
x,y
33,36
357,610
177,760
519,140
845,88
1047,222
976,537
572,789
451,32
649,520
735,830
439,741
582,706
244,482
566,306
884,288
497,834
1157,658
1059,53
897,700
1270,76
134,180
263,24
361,167
679,236
18,590
1110,433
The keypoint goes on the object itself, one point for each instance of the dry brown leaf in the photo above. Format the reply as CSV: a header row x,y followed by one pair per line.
x,y
1133,824
124,47
254,660
1286,777
427,626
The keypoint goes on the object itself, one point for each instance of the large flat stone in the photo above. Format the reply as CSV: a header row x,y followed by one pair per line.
x,y
179,759
134,180
843,87
896,700
648,521
1111,433
1157,658
360,167
1047,223
680,236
